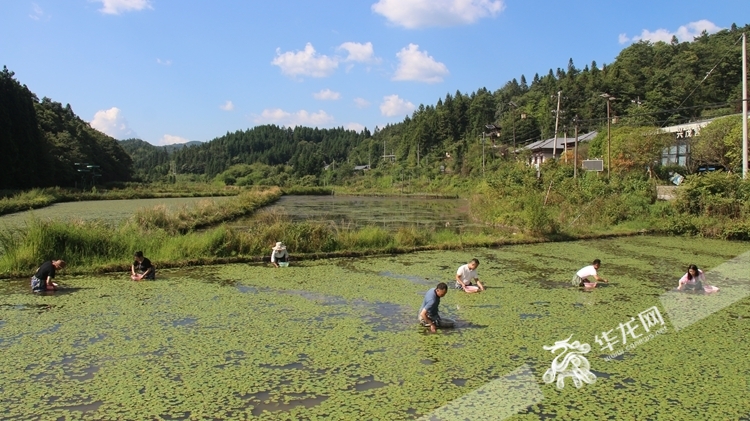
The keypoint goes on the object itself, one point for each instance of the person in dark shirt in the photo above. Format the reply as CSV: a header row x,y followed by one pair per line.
x,y
42,279
142,268
428,313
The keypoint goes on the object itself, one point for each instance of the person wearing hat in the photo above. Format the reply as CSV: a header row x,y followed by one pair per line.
x,y
279,254
142,268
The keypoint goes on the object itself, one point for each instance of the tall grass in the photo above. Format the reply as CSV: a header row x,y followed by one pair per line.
x,y
205,213
41,197
32,199
97,246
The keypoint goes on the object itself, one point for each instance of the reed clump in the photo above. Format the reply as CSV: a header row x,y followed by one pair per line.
x,y
205,213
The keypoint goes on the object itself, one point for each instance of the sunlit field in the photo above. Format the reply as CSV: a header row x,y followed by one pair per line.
x,y
340,339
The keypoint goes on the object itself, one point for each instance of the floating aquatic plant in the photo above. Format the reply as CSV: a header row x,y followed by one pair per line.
x,y
339,339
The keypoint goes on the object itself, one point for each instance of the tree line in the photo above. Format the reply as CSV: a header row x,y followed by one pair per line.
x,y
654,84
42,141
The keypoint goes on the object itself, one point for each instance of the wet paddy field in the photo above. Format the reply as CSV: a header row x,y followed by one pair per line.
x,y
339,339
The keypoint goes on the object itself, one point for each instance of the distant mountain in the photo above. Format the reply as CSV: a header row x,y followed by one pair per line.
x,y
178,146
149,162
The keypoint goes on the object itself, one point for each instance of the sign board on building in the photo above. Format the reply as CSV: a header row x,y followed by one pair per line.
x,y
593,164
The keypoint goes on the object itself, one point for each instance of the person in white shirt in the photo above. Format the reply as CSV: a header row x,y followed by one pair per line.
x,y
581,278
279,254
466,275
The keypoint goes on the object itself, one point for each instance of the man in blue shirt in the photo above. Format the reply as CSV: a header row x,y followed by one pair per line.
x,y
428,313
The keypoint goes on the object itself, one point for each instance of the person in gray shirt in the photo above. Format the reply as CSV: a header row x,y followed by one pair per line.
x,y
428,313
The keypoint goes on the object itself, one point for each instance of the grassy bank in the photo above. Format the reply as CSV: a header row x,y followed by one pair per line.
x,y
96,247
39,198
517,206
12,202
203,214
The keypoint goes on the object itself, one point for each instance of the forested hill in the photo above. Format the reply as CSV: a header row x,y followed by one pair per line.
x,y
305,149
149,162
41,142
654,84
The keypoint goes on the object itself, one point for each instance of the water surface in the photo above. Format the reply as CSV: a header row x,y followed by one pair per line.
x,y
387,212
338,339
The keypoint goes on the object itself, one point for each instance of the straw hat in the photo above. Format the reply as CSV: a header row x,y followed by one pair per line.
x,y
279,246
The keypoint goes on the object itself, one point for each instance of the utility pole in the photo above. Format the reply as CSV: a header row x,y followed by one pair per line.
x,y
575,150
557,120
482,153
744,105
514,109
565,142
609,141
609,98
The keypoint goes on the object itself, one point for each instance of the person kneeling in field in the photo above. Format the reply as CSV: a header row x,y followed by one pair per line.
x,y
581,278
466,275
279,255
142,268
42,279
695,280
428,313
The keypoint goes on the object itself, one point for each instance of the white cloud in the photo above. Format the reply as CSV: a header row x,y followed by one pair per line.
x,y
355,126
164,62
361,102
115,7
423,13
169,139
684,33
327,95
305,63
392,106
112,123
38,13
362,53
227,106
299,118
418,66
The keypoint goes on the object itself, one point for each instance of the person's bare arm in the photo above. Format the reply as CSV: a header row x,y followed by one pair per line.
x,y
423,316
460,282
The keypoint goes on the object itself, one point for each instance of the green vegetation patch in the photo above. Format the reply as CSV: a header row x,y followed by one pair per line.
x,y
339,338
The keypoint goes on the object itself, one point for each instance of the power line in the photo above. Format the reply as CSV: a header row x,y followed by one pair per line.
x,y
705,77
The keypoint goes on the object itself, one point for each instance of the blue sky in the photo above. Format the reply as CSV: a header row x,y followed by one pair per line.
x,y
169,71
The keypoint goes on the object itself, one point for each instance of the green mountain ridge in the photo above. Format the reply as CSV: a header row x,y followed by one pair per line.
x,y
655,84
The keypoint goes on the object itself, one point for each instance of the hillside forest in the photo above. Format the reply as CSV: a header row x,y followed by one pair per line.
x,y
653,85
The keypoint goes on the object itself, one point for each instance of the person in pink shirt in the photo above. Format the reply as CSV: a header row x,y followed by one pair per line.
x,y
695,280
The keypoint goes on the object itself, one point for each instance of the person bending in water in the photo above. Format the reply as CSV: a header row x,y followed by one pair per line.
x,y
581,278
428,313
279,254
42,279
693,280
142,268
466,275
